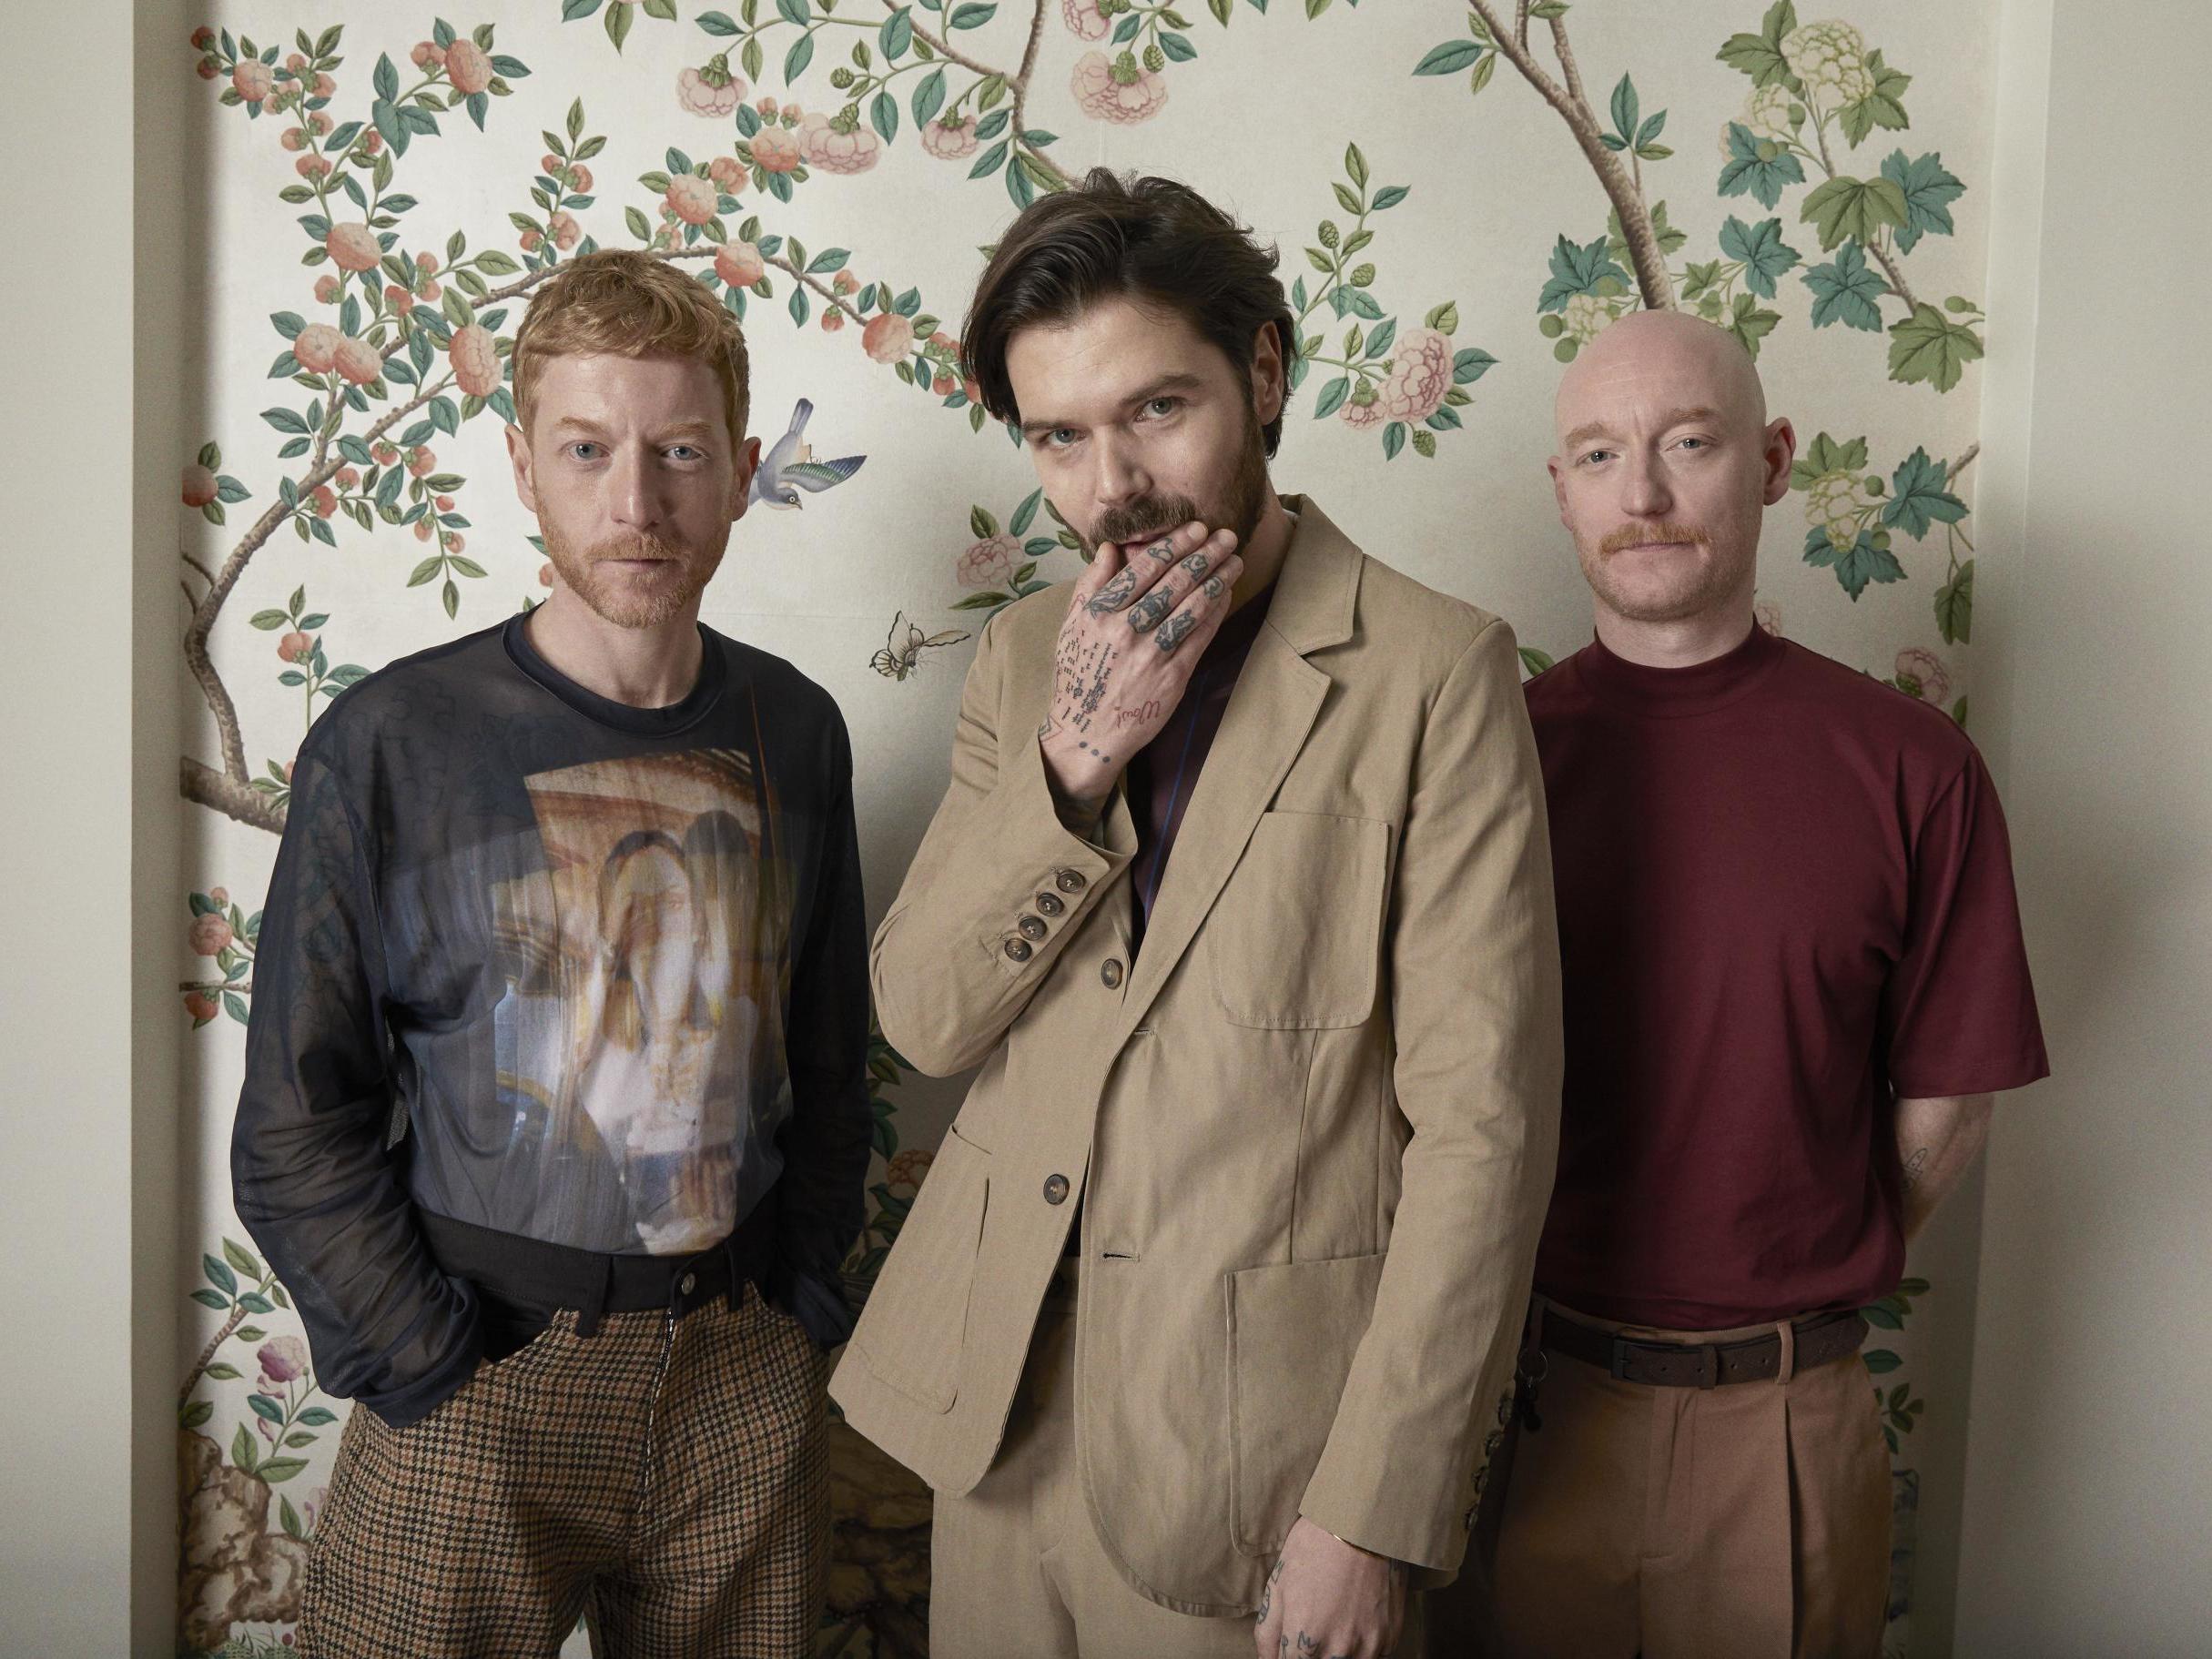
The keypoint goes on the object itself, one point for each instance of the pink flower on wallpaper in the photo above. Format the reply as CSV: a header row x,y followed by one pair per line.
x,y
353,246
359,361
402,302
1360,416
693,198
468,64
426,52
711,91
211,935
1084,19
1420,374
323,499
1119,90
268,1429
315,1499
887,337
200,1005
295,644
1921,673
988,563
316,346
421,460
777,149
739,264
1767,615
475,358
567,233
907,1170
198,486
834,149
728,172
283,1360
950,143
254,79
326,288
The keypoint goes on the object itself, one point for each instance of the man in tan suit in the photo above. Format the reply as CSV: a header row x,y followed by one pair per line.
x,y
1201,1324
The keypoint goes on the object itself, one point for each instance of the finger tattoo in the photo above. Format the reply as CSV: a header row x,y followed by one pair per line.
x,y
1196,564
1163,550
1114,594
1176,629
1213,588
1147,612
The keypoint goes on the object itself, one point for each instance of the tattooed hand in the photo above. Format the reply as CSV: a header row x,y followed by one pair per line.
x,y
1330,1599
1137,623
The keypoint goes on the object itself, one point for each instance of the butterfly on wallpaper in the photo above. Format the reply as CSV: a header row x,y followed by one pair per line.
x,y
898,658
790,467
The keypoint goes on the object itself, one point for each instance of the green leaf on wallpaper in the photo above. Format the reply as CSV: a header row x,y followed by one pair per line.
x,y
220,1274
1825,455
1928,346
1855,566
1449,58
1332,397
241,1448
1625,110
1761,247
1929,191
197,1414
237,1254
1920,496
1535,661
1846,291
1954,609
1750,322
716,23
1470,364
1759,55
210,1299
663,9
1577,271
1845,207
618,22
1758,168
1880,1361
1883,106
1670,240
1355,166
1394,440
280,1468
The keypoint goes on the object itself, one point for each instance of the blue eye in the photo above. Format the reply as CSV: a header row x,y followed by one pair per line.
x,y
1166,406
574,448
683,449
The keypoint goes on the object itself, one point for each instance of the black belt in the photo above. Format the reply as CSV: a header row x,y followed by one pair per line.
x,y
520,1281
1816,1339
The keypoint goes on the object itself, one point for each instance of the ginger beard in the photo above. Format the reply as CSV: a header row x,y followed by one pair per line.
x,y
1237,508
635,580
1664,572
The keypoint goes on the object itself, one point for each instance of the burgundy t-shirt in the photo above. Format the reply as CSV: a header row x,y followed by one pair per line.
x,y
1785,901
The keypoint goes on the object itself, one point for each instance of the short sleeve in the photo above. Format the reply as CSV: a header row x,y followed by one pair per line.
x,y
1959,1010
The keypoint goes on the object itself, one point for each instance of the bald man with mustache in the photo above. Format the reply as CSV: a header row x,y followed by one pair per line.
x,y
1794,982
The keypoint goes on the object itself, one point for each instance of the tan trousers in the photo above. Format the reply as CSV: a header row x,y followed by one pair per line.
x,y
1017,1570
1747,1522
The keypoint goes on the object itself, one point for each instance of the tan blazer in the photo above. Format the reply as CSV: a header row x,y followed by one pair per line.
x,y
1311,1126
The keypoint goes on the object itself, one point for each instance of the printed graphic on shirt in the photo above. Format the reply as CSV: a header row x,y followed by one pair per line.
x,y
646,963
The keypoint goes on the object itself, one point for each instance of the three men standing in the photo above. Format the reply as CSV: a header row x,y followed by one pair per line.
x,y
1263,985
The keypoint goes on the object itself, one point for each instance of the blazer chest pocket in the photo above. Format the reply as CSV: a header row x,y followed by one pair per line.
x,y
1293,1330
915,1327
1294,940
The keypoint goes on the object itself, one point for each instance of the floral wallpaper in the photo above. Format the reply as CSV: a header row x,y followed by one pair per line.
x,y
1464,194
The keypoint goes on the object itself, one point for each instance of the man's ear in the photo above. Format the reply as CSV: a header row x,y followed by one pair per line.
x,y
741,478
1559,488
1269,377
518,453
1780,451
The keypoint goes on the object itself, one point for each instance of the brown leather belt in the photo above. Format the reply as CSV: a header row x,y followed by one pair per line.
x,y
1817,1339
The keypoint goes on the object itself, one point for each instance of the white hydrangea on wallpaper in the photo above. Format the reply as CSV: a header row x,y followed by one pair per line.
x,y
724,142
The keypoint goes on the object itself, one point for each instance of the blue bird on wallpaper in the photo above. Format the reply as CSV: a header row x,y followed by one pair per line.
x,y
790,466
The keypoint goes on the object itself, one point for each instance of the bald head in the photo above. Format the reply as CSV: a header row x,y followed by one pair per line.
x,y
1666,462
1657,362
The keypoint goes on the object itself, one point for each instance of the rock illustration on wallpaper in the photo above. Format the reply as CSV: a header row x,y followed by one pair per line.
x,y
404,334
789,466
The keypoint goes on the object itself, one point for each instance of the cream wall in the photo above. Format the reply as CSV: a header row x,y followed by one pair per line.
x,y
89,836
2088,1492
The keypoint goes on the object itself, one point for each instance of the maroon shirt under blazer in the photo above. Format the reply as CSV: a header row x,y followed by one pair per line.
x,y
1785,901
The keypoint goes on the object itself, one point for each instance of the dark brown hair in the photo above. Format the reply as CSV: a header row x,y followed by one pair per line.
x,y
1152,239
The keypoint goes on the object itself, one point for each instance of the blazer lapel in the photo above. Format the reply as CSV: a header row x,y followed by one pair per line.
x,y
1277,697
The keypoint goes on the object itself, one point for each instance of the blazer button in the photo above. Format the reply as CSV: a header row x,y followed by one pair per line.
x,y
1031,927
1069,881
1048,903
1109,971
1018,949
1056,1189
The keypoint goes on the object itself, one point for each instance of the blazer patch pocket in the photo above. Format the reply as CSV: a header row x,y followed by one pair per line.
x,y
1294,940
1294,1330
914,1339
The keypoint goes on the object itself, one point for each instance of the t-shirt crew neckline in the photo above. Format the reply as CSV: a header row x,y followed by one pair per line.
x,y
623,716
1667,693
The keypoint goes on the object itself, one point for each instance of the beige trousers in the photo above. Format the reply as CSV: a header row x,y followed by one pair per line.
x,y
1017,1570
1747,1522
